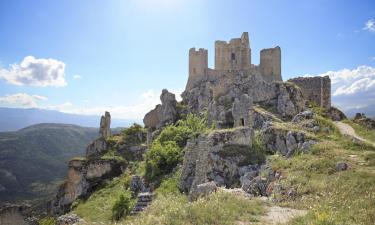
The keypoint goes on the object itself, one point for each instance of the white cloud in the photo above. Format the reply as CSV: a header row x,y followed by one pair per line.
x,y
21,100
35,72
352,88
147,101
372,58
370,25
77,77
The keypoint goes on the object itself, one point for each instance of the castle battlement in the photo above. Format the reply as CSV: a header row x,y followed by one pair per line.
x,y
233,56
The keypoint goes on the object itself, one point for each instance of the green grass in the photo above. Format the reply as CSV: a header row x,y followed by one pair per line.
x,y
218,208
332,197
362,131
98,207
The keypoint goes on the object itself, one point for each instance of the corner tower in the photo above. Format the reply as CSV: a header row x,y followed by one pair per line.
x,y
198,66
270,64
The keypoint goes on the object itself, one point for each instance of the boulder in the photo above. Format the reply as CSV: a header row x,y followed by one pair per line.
x,y
341,166
202,190
70,219
335,114
305,115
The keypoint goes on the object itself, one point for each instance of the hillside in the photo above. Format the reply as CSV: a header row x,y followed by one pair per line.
x,y
34,159
12,119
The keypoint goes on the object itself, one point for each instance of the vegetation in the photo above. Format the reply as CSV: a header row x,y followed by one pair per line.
x,y
219,208
135,134
47,221
99,206
122,207
362,131
166,150
39,155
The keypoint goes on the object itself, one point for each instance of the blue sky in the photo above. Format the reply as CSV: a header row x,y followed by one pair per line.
x,y
118,55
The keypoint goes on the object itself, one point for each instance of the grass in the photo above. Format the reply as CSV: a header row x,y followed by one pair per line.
x,y
362,131
98,207
332,197
218,208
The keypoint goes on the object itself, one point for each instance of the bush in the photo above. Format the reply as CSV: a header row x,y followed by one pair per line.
x,y
121,208
134,135
162,158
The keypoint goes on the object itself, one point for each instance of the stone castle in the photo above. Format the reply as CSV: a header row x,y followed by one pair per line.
x,y
232,57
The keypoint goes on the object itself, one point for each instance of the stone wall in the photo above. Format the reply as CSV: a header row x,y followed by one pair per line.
x,y
235,55
270,64
315,89
198,65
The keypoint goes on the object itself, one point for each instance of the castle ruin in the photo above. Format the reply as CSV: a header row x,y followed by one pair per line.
x,y
315,89
233,57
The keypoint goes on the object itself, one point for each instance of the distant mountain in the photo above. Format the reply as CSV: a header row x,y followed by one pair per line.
x,y
12,119
33,159
369,111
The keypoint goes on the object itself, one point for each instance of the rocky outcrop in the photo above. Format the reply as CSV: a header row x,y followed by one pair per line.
x,y
84,176
163,114
203,190
289,100
284,141
70,219
218,157
362,120
16,214
97,148
105,125
335,114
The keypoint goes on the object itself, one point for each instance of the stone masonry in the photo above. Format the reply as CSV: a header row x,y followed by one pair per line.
x,y
232,57
315,89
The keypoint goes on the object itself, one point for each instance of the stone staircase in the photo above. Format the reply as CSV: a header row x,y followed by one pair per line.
x,y
144,200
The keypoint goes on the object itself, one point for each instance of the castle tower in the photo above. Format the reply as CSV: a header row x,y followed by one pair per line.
x,y
198,66
235,55
270,64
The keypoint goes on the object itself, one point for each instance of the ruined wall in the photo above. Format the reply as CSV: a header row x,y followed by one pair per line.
x,y
270,64
198,66
315,89
235,55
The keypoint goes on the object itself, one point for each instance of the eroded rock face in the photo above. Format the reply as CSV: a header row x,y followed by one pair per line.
x,y
163,114
20,214
289,100
218,157
97,148
285,142
83,178
105,125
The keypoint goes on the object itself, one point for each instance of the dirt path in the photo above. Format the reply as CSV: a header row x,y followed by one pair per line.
x,y
281,215
347,130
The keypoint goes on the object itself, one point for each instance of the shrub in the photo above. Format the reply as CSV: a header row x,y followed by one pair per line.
x,y
161,159
136,134
121,208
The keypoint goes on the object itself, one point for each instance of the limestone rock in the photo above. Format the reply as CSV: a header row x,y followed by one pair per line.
x,y
83,178
305,115
341,166
202,190
290,100
285,142
20,214
335,114
97,148
105,125
163,114
362,120
70,219
217,157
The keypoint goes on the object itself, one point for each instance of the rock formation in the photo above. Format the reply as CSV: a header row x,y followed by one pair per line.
x,y
217,157
362,120
20,214
105,125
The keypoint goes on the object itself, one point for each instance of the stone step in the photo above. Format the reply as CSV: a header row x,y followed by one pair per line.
x,y
143,201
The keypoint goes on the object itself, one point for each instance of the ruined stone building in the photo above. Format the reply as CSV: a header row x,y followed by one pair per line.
x,y
232,57
315,89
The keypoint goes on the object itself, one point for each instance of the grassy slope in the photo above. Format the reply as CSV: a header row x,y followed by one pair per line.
x,y
332,197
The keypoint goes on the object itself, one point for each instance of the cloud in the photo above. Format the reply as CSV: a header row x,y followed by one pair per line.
x,y
77,77
21,100
35,72
352,88
147,101
372,58
370,25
